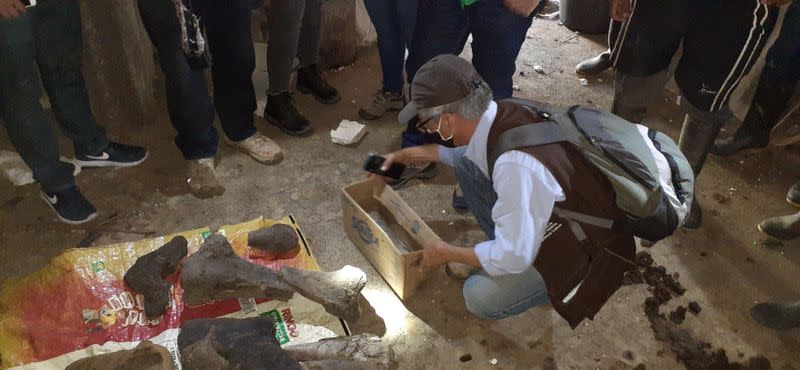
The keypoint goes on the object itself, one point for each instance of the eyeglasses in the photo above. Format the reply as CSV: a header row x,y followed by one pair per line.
x,y
421,126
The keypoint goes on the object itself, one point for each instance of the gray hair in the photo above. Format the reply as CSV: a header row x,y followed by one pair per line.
x,y
471,107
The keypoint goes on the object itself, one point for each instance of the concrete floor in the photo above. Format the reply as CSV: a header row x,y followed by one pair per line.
x,y
722,264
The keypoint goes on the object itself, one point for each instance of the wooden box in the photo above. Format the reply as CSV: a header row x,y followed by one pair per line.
x,y
388,232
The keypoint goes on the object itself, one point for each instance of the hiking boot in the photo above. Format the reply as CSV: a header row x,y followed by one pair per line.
x,y
311,81
779,316
736,143
695,217
70,205
382,102
781,227
260,147
280,111
202,179
593,66
793,196
425,172
114,155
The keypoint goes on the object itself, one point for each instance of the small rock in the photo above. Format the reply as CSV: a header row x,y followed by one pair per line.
x,y
538,69
348,132
628,355
694,307
584,82
493,361
515,87
522,73
640,367
465,358
703,254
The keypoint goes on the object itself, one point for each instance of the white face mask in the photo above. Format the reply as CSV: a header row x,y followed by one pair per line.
x,y
439,131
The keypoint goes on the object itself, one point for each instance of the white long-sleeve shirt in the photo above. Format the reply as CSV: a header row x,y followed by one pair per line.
x,y
526,194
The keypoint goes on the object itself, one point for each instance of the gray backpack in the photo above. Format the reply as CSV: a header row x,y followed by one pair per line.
x,y
653,182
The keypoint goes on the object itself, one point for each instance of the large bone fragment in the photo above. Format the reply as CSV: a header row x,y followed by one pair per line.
x,y
146,356
340,365
275,242
146,276
337,291
356,348
242,344
203,355
215,272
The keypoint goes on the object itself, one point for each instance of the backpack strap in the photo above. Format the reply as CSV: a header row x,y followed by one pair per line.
x,y
574,221
532,134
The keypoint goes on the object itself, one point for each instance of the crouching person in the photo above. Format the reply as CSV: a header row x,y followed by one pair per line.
x,y
560,194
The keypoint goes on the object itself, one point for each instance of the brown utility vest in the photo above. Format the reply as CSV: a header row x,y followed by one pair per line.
x,y
562,260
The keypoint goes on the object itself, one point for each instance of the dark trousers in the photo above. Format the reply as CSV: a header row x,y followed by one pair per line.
x,y
394,23
294,30
190,108
442,27
46,41
778,79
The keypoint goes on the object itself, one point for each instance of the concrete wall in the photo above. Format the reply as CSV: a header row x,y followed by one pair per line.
x,y
119,66
121,70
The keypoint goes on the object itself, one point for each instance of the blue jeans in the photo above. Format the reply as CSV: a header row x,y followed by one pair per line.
x,y
443,28
486,296
394,23
46,41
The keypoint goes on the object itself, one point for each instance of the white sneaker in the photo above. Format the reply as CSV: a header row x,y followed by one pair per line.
x,y
202,179
260,147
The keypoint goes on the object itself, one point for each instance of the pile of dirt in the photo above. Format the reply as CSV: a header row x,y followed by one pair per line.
x,y
690,351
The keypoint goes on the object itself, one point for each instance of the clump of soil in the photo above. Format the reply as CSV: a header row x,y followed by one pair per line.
x,y
690,351
633,277
644,259
628,355
695,307
678,315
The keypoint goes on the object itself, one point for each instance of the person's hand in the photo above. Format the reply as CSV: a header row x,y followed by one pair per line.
x,y
401,156
523,8
775,2
434,255
620,10
10,9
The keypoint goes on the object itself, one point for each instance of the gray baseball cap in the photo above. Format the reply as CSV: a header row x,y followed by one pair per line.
x,y
442,80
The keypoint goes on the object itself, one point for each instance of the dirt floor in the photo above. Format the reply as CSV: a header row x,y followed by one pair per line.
x,y
724,266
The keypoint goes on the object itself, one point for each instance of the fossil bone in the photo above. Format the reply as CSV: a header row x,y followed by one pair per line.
x,y
241,343
216,272
147,274
275,242
146,356
337,291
